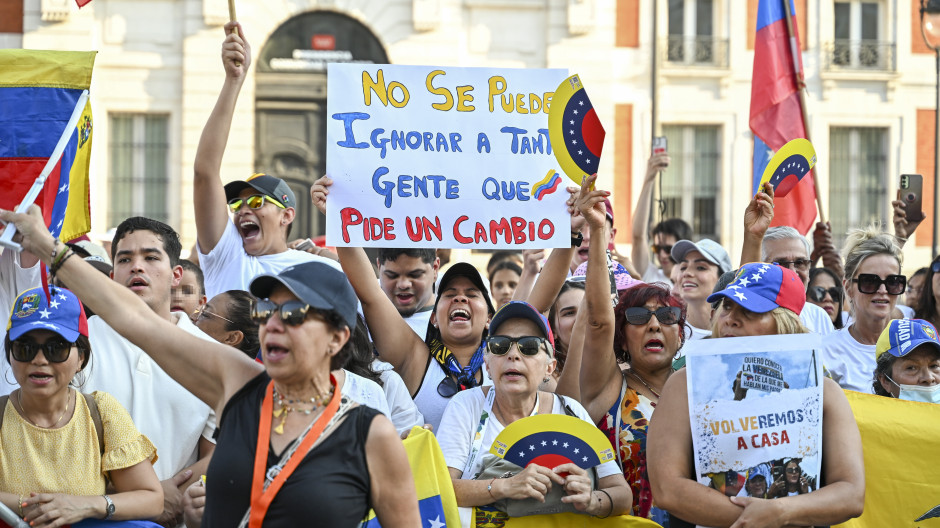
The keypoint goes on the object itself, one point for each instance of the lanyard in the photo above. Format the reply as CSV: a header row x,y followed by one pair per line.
x,y
261,497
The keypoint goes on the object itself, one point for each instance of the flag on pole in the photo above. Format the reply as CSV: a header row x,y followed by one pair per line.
x,y
81,3
38,92
776,114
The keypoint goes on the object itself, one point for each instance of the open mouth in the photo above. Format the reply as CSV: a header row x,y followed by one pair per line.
x,y
276,353
460,315
654,345
40,377
689,285
248,229
512,374
405,298
137,283
583,253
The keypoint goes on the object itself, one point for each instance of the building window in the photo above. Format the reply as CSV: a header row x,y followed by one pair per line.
x,y
858,40
138,181
690,185
858,163
691,37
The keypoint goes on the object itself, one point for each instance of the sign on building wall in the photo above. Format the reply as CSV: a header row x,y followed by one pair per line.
x,y
443,157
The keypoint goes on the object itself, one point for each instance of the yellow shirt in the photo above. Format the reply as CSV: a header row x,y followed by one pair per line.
x,y
68,459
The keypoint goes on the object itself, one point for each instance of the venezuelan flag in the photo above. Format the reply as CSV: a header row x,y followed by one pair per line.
x,y
38,92
901,444
436,500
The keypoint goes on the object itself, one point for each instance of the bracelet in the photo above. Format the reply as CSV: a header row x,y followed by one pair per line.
x,y
55,248
56,257
56,266
611,510
20,503
489,489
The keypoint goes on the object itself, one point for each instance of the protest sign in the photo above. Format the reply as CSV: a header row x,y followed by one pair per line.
x,y
443,157
755,406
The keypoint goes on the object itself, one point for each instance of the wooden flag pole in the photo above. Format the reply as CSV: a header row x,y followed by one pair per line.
x,y
233,18
800,85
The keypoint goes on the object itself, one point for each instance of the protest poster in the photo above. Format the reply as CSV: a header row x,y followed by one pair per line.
x,y
755,408
425,156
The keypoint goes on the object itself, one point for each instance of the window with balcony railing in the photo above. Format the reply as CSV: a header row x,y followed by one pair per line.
x,y
858,42
691,184
691,39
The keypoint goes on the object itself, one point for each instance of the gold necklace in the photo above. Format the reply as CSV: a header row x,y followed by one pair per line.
x,y
645,384
287,406
19,399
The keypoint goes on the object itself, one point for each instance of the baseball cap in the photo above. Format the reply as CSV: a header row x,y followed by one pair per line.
x,y
621,275
761,287
711,250
463,269
901,336
609,210
275,188
317,284
522,310
63,314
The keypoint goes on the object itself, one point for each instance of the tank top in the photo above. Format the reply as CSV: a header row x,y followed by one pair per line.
x,y
429,402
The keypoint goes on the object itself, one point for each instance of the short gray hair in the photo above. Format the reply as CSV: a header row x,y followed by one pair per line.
x,y
783,233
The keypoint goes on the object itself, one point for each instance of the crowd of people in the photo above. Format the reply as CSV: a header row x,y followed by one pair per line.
x,y
261,385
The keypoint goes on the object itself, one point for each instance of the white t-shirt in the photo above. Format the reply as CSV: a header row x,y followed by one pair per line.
x,y
462,418
228,267
848,362
14,280
404,412
907,311
169,415
816,319
366,392
692,332
655,274
418,322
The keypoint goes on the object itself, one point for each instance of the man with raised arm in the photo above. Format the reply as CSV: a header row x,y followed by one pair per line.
x,y
254,241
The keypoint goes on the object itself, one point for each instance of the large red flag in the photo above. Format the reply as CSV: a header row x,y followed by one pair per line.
x,y
776,116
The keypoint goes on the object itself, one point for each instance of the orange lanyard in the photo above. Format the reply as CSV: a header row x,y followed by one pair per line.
x,y
261,498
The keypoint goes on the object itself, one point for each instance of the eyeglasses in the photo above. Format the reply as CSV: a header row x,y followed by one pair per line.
x,y
793,470
292,313
668,315
818,293
255,201
869,283
795,265
201,312
662,247
54,351
528,345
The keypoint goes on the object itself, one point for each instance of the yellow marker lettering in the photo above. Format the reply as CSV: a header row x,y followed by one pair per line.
x,y
497,85
535,104
547,101
398,103
448,98
506,102
464,97
369,86
520,104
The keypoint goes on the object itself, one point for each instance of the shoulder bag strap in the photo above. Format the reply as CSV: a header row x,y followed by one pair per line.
x,y
95,417
490,394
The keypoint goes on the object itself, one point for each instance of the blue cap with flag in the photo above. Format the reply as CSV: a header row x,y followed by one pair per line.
x,y
62,314
901,336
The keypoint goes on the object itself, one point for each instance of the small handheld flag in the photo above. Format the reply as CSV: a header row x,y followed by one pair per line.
x,y
551,440
576,133
788,166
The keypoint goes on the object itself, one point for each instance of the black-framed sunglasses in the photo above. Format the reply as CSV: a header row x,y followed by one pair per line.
x,y
447,387
528,345
667,315
818,293
869,283
662,247
54,351
795,265
292,313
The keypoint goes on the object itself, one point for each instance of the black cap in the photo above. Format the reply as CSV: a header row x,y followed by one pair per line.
x,y
275,188
462,269
317,284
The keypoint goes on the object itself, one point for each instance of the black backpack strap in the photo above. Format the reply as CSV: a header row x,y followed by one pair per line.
x,y
95,417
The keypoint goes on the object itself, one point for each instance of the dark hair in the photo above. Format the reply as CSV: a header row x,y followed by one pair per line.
x,y
505,265
335,321
639,295
359,359
920,271
238,308
838,323
561,350
426,255
83,344
503,255
676,227
883,366
189,265
926,307
170,238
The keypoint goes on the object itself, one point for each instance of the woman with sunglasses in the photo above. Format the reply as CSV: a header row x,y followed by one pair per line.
x,y
825,291
332,459
519,357
767,306
227,319
53,465
643,331
873,282
791,482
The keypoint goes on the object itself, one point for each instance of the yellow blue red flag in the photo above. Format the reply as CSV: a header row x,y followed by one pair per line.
x,y
38,92
901,443
436,501
574,129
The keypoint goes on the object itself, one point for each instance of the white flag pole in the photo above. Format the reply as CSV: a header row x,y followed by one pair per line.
x,y
6,239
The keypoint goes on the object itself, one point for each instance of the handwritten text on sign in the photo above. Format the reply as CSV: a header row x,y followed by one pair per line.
x,y
443,157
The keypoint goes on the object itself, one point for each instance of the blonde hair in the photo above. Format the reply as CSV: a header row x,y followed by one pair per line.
x,y
786,321
861,243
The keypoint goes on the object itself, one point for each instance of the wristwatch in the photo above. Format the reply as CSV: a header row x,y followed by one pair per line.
x,y
576,239
109,509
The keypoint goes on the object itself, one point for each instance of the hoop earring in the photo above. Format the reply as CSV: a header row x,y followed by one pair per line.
x,y
10,383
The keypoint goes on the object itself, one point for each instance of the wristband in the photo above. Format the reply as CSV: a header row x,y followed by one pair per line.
x,y
611,510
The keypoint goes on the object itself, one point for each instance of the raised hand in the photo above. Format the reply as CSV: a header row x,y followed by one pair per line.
x,y
591,203
236,53
318,192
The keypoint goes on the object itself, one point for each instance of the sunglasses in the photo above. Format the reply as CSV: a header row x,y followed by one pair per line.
x,y
793,470
795,265
54,351
668,315
662,247
201,314
818,293
292,313
447,387
528,345
869,283
255,201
